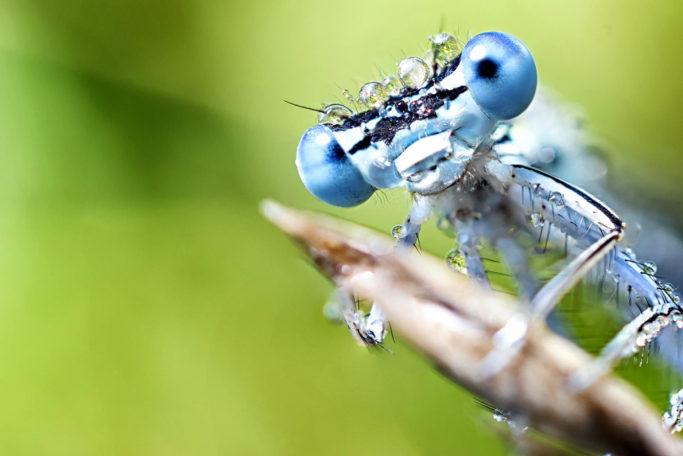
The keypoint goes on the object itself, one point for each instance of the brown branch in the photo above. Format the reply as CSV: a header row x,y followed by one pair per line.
x,y
452,321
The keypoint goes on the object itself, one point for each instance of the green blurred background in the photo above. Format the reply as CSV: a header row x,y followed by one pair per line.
x,y
146,307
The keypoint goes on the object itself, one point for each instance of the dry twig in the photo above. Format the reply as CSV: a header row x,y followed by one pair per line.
x,y
451,321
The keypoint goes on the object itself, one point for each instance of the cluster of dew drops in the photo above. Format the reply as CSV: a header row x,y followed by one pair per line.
x,y
412,73
673,419
669,310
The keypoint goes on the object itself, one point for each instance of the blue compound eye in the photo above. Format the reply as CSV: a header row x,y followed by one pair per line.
x,y
327,172
500,73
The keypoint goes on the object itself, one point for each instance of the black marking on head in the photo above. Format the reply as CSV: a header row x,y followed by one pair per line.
x,y
386,128
451,94
487,69
362,144
422,108
357,120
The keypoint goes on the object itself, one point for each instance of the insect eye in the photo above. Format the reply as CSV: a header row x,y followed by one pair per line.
x,y
500,73
327,172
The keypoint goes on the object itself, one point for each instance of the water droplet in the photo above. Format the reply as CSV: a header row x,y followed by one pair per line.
x,y
413,72
372,95
536,219
641,341
396,232
499,417
556,199
443,224
663,321
649,267
667,288
675,298
346,94
539,191
678,319
445,48
547,154
651,329
456,261
332,311
391,86
334,114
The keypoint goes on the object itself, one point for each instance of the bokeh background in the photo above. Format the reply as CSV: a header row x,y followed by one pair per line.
x,y
146,308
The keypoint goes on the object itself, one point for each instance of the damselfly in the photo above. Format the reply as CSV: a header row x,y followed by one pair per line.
x,y
453,131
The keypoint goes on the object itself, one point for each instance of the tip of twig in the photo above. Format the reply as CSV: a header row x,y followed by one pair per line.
x,y
289,220
271,210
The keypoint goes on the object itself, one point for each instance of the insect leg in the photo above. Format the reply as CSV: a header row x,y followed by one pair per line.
x,y
549,296
575,212
590,223
633,336
562,204
406,234
346,307
468,240
372,328
517,262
